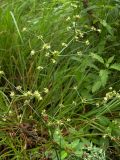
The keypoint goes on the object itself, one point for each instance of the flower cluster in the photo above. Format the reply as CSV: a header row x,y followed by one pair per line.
x,y
35,94
79,53
32,53
12,94
40,68
64,44
45,90
24,29
87,42
111,94
18,88
53,60
46,46
47,54
68,19
28,94
79,33
95,29
55,53
77,16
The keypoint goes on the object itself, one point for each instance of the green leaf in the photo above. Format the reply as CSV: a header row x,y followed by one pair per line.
x,y
94,66
59,139
96,86
103,76
63,155
104,142
75,144
75,58
97,57
101,46
4,103
104,121
79,153
110,59
115,66
16,25
107,26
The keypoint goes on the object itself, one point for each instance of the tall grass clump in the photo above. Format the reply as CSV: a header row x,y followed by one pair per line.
x,y
59,80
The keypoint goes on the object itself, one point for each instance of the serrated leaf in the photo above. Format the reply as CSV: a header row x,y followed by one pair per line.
x,y
79,153
115,66
94,66
97,57
75,143
103,76
96,86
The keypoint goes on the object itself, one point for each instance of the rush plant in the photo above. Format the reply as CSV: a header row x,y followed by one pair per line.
x,y
59,80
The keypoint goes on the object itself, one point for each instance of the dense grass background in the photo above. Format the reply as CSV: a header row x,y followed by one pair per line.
x,y
59,86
